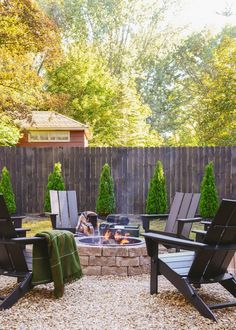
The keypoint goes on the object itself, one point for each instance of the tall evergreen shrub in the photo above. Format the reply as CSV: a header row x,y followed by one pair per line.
x,y
55,182
7,191
157,196
106,197
209,200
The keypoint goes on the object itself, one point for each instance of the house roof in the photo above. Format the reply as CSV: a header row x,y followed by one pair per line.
x,y
48,120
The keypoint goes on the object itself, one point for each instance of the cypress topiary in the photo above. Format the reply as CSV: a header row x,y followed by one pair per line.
x,y
7,191
209,200
106,196
157,195
55,182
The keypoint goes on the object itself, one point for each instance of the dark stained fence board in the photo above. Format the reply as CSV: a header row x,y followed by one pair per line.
x,y
132,169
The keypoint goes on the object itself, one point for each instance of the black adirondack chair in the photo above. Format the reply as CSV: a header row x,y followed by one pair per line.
x,y
13,261
16,220
181,216
207,264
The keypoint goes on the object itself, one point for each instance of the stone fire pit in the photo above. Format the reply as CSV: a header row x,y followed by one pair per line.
x,y
113,259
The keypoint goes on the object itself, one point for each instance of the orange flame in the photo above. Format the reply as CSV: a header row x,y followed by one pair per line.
x,y
125,239
118,238
107,235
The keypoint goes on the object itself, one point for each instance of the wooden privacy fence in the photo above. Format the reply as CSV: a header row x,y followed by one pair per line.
x,y
131,168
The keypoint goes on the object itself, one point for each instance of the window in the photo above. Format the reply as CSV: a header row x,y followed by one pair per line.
x,y
49,136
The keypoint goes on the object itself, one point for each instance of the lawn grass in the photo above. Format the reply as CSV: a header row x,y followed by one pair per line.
x,y
159,224
41,225
36,226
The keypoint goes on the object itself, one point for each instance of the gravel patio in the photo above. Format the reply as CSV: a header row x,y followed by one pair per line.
x,y
109,302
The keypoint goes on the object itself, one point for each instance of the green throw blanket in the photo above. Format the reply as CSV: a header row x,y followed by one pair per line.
x,y
57,261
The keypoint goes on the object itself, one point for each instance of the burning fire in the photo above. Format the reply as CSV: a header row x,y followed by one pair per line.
x,y
119,239
107,235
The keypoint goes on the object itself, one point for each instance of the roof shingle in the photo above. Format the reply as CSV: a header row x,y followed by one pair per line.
x,y
51,120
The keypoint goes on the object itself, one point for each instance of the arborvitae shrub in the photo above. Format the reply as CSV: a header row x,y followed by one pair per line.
x,y
55,182
209,200
106,196
7,191
157,196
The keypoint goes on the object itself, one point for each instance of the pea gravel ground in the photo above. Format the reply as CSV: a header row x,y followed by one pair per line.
x,y
110,303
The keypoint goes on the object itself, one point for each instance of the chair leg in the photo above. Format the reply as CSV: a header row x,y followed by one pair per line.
x,y
230,285
154,276
17,293
187,291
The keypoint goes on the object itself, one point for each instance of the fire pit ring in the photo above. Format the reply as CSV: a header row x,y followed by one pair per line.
x,y
113,259
100,241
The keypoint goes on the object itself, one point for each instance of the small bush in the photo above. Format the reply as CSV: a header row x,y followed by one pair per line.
x,y
157,195
106,196
55,182
7,191
209,200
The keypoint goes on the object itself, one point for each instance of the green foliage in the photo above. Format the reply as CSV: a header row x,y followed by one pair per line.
x,y
157,195
111,108
7,191
106,196
55,182
191,91
29,41
9,133
216,113
209,200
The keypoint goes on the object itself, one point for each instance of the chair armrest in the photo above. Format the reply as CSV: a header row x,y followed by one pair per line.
x,y
17,220
161,233
174,242
197,231
21,232
146,218
154,216
181,222
72,230
206,224
15,217
187,220
27,240
18,230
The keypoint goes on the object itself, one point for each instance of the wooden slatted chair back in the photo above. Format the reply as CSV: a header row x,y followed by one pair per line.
x,y
209,264
12,258
64,204
184,206
4,213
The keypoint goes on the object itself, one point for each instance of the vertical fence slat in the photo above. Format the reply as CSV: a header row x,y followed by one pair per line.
x,y
132,169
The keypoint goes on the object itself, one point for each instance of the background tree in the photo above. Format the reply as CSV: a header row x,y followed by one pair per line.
x,y
55,182
209,200
7,190
9,133
106,197
29,43
193,104
126,34
157,195
112,108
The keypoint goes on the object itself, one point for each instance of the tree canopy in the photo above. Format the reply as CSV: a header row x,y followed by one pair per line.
x,y
29,41
118,67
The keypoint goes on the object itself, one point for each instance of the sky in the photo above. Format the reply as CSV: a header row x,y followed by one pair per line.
x,y
200,13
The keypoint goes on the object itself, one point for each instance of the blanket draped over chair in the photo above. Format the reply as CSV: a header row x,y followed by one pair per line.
x,y
57,261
